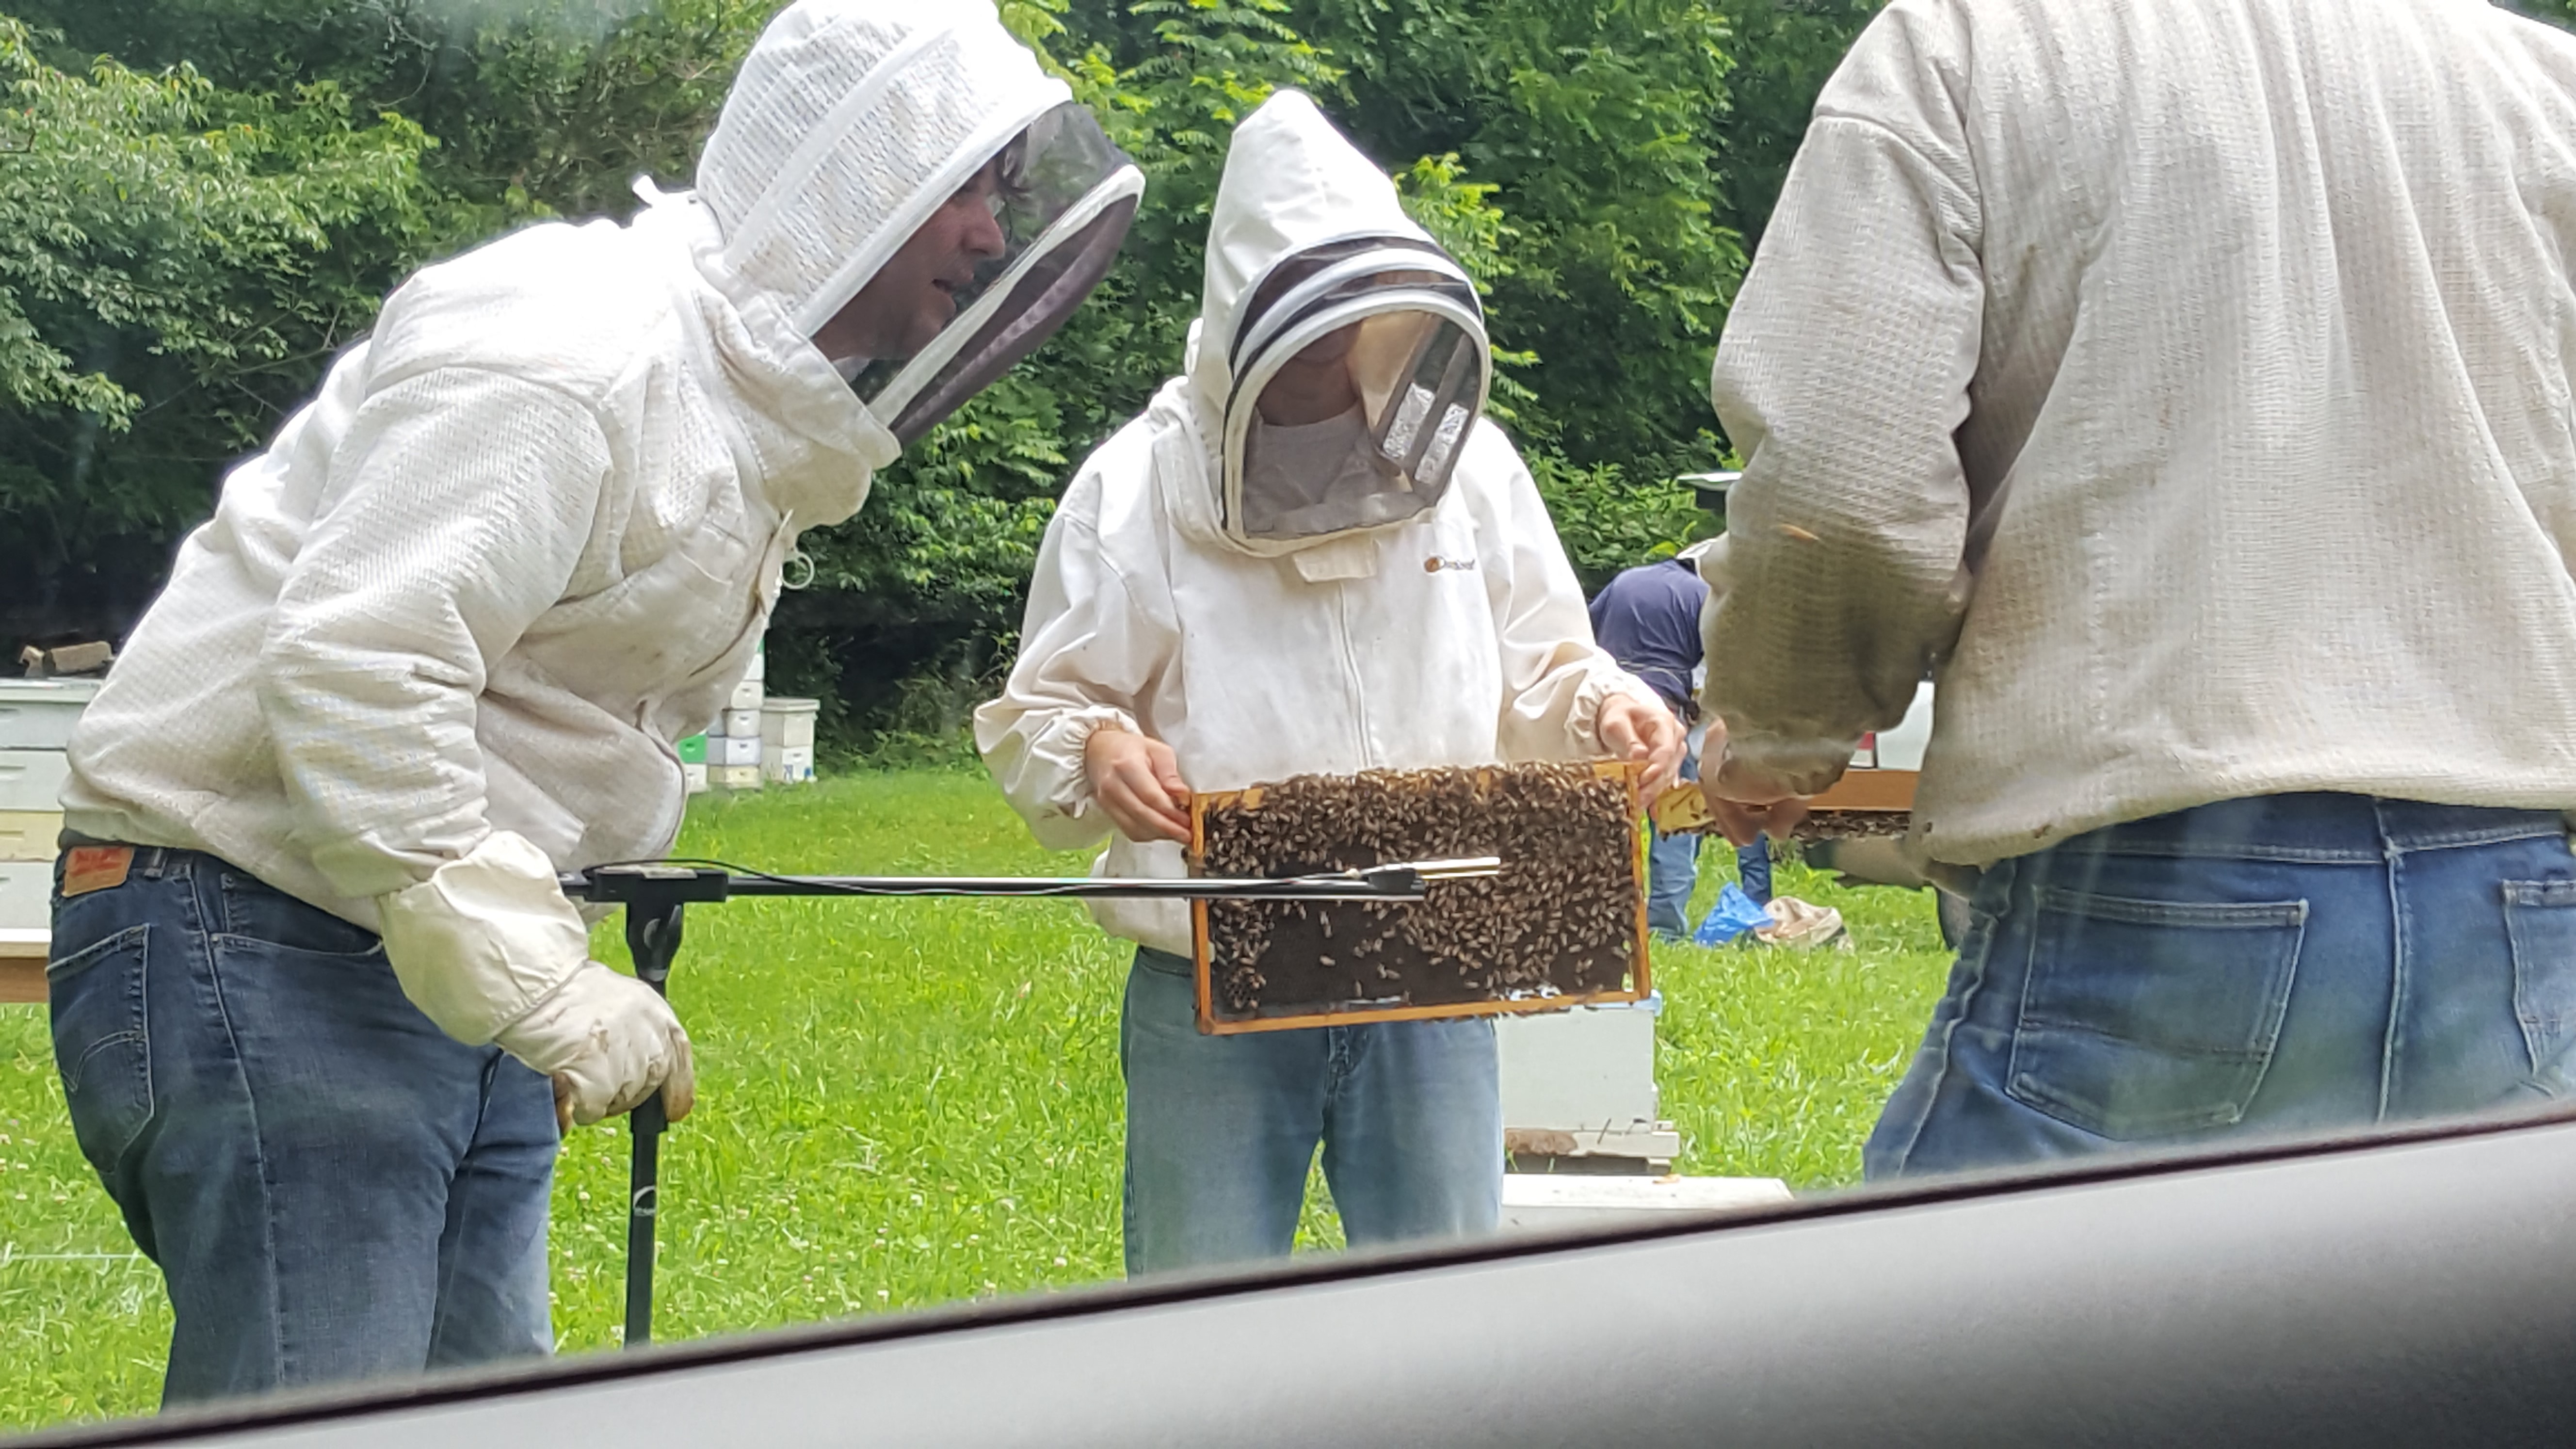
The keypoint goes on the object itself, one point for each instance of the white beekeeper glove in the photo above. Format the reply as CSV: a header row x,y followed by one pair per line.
x,y
490,950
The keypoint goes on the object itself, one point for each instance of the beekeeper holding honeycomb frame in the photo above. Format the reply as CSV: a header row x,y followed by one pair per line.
x,y
1310,555
320,1007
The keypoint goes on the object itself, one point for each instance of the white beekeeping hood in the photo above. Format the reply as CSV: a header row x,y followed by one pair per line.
x,y
850,123
1307,242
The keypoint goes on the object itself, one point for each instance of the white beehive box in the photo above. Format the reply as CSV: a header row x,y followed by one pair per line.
x,y
26,894
29,834
788,767
693,774
746,695
1581,1083
38,714
735,777
733,750
33,779
739,724
759,662
36,720
787,723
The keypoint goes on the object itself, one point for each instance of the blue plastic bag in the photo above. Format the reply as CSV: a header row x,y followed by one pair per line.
x,y
1734,914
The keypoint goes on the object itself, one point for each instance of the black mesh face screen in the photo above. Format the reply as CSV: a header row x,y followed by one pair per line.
x,y
1044,298
1061,198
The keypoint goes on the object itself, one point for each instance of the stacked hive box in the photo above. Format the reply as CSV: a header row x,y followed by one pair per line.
x,y
1581,1084
787,740
733,742
754,739
36,718
1585,1143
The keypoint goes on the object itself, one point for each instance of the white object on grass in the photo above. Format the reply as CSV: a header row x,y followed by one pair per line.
x,y
1584,1200
1581,1083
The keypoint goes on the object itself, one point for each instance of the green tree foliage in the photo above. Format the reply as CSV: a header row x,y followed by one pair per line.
x,y
1596,123
2556,12
539,106
1598,164
176,263
1783,51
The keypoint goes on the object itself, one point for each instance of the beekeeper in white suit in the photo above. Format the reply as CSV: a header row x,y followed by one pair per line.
x,y
436,646
1308,555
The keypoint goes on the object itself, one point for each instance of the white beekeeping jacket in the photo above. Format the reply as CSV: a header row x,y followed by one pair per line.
x,y
529,531
2190,382
1458,637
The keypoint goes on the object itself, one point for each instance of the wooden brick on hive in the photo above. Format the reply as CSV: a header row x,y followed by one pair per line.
x,y
1563,924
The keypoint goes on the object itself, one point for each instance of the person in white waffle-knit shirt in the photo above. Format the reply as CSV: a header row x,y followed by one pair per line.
x,y
320,1006
1310,555
2188,382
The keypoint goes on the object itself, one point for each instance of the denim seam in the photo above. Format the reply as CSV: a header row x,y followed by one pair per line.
x,y
2251,1053
223,893
2393,1033
2310,855
2195,915
1984,940
2544,893
447,1269
2412,843
2539,1033
2280,1020
277,1314
1343,1049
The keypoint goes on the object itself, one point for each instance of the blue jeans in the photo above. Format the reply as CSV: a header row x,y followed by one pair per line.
x,y
2275,965
1221,1129
1672,869
333,1188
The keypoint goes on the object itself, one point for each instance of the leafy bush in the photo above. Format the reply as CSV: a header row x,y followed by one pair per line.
x,y
1608,521
177,263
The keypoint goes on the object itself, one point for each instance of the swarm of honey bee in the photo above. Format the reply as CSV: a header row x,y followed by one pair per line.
x,y
1560,919
1850,825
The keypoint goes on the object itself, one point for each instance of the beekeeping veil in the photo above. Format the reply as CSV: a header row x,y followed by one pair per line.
x,y
851,122
1310,255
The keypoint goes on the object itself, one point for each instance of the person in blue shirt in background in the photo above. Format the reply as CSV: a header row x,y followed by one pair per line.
x,y
1648,620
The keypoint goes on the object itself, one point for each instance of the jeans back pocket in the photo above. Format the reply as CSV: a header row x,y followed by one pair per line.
x,y
2540,922
2145,1019
262,912
102,1043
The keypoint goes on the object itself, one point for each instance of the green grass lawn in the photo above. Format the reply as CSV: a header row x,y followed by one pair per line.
x,y
902,1103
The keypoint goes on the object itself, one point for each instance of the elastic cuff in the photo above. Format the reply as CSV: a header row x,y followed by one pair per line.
x,y
485,940
1803,765
1076,728
1583,723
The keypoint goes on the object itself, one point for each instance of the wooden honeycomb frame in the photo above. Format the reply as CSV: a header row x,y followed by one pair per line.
x,y
1638,967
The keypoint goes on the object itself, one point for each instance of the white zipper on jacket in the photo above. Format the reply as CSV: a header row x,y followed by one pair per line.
x,y
1351,676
